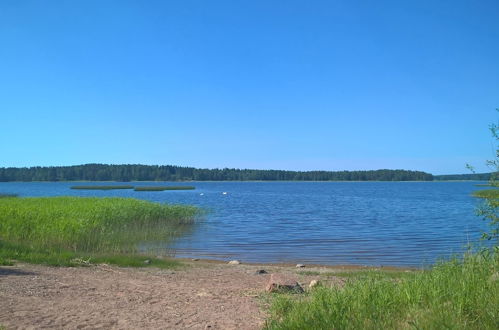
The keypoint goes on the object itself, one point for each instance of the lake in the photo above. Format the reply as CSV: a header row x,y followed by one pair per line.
x,y
361,223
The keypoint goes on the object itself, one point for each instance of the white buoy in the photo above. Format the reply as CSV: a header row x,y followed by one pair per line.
x,y
224,193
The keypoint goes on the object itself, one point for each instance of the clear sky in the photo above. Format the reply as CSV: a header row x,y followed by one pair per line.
x,y
301,85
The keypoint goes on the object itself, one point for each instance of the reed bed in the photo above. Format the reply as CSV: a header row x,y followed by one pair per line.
x,y
102,187
88,225
140,188
163,188
487,193
459,294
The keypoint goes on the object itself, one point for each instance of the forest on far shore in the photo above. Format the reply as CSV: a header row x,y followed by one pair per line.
x,y
104,172
455,177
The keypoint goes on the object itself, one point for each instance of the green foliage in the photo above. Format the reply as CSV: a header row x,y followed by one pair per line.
x,y
103,172
62,228
456,295
489,209
489,212
102,187
163,188
487,193
5,262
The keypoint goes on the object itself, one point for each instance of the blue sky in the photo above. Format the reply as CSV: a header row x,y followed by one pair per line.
x,y
301,85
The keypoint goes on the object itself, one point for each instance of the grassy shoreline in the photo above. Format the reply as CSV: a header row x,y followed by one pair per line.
x,y
492,194
69,230
457,294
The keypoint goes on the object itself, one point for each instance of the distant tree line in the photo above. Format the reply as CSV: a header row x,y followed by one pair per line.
x,y
471,176
103,172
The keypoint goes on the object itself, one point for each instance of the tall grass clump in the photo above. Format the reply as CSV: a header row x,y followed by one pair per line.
x,y
458,294
88,225
487,193
102,187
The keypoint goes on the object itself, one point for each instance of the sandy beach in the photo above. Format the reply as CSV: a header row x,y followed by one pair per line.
x,y
203,294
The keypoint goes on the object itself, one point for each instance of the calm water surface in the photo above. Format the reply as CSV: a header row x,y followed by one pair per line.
x,y
366,223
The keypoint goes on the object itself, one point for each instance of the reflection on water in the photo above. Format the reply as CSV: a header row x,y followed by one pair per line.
x,y
370,223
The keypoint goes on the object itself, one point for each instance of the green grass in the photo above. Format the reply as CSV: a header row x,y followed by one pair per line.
x,y
10,252
102,187
58,230
452,295
487,193
162,188
5,262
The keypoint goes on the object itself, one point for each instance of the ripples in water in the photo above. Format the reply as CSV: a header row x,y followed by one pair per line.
x,y
368,223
